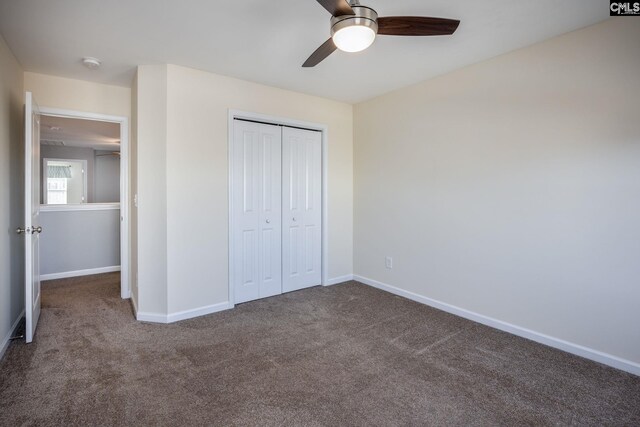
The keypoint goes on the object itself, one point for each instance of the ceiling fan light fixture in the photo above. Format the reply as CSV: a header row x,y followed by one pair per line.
x,y
354,33
354,28
354,38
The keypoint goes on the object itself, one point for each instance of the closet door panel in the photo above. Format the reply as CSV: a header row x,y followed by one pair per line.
x,y
302,216
244,209
256,211
271,211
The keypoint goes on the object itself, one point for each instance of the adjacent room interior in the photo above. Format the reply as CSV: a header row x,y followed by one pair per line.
x,y
386,213
79,197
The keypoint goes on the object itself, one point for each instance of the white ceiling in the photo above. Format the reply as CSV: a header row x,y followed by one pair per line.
x,y
80,133
267,41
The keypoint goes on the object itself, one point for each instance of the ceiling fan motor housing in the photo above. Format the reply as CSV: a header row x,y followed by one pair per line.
x,y
364,16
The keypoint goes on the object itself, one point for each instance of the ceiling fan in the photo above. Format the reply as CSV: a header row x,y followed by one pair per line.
x,y
354,28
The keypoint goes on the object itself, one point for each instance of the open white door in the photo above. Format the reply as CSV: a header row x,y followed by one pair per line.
x,y
32,227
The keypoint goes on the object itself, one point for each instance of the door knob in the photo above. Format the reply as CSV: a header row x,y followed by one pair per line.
x,y
268,221
21,230
294,219
37,229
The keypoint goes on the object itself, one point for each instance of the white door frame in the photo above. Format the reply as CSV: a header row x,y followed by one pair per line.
x,y
283,121
125,286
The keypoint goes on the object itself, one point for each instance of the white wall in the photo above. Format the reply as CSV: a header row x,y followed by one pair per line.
x,y
133,186
191,160
106,177
11,193
79,240
511,188
150,142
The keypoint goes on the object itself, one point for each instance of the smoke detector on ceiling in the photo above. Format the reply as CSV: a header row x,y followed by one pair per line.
x,y
91,63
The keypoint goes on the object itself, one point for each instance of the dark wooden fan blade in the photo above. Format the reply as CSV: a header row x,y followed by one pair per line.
x,y
416,26
320,54
337,7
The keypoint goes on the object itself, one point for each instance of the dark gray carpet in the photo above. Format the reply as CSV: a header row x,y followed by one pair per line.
x,y
344,355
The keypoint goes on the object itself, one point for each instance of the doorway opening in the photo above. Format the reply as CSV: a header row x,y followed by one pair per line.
x,y
83,195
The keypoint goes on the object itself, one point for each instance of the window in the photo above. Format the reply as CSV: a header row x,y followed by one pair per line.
x,y
57,191
64,182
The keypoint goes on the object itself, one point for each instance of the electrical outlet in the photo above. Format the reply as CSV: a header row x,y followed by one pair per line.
x,y
388,262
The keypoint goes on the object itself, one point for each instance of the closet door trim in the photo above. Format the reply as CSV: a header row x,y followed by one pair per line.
x,y
280,121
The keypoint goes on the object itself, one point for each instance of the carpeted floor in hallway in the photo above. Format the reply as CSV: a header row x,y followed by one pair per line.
x,y
343,355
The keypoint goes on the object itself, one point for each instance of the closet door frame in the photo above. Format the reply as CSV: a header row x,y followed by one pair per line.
x,y
272,120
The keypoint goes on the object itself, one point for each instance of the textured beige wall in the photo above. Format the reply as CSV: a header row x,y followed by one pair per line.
x,y
196,170
79,95
11,192
511,188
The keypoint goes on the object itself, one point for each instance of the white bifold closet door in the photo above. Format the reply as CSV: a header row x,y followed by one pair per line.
x,y
256,210
276,208
301,208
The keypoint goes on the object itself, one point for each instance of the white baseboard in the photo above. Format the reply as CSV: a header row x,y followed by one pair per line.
x,y
76,273
579,350
151,317
202,311
183,315
337,280
7,339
